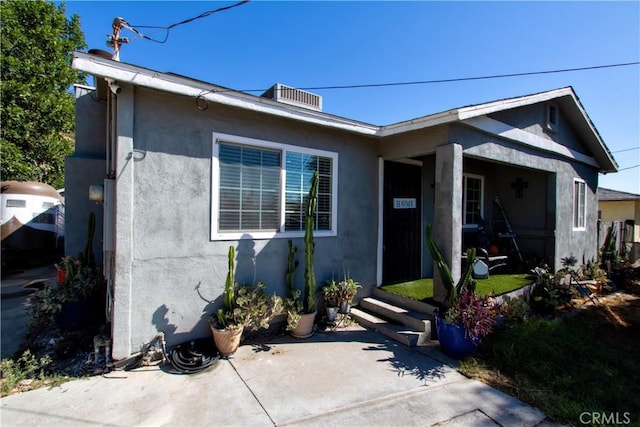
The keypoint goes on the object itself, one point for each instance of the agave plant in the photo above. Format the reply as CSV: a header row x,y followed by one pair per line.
x,y
466,280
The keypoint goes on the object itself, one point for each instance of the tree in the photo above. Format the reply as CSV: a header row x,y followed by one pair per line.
x,y
37,110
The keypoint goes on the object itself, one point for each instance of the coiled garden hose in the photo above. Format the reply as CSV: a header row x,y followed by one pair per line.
x,y
187,359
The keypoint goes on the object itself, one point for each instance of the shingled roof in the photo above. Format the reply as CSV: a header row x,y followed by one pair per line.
x,y
604,194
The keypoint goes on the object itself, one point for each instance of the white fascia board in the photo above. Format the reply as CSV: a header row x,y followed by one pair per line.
x,y
587,129
126,73
420,123
511,133
464,113
507,104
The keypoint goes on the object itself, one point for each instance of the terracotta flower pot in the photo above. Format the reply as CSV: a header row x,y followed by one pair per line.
x,y
304,329
61,276
227,340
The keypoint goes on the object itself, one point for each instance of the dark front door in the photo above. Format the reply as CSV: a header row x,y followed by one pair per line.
x,y
402,239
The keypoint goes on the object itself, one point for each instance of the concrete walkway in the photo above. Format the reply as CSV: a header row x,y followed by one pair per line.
x,y
351,377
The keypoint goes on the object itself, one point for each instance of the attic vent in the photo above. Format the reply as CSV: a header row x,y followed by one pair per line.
x,y
293,96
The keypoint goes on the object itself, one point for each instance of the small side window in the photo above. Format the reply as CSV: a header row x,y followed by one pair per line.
x,y
553,116
579,204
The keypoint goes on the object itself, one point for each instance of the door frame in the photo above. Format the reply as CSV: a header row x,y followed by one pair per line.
x,y
381,218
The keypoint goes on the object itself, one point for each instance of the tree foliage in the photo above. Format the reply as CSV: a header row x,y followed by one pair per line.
x,y
37,109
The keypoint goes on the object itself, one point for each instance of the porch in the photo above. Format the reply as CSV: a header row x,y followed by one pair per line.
x,y
505,211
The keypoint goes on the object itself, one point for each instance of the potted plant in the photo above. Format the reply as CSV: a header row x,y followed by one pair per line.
x,y
347,290
464,324
71,302
464,318
331,300
65,264
245,306
301,314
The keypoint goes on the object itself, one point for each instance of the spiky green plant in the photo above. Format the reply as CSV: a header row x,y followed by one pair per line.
x,y
292,264
465,282
88,259
225,314
309,246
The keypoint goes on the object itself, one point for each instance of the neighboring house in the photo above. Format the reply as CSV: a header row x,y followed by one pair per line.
x,y
189,168
619,206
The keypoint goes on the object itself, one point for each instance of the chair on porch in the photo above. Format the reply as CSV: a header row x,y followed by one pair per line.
x,y
492,261
485,251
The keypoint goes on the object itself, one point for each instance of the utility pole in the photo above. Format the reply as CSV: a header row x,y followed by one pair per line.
x,y
114,40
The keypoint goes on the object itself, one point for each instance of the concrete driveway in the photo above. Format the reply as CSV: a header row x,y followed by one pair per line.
x,y
351,377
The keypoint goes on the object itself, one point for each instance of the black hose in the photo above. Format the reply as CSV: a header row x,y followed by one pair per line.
x,y
188,359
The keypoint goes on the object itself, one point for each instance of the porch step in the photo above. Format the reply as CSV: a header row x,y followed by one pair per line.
x,y
394,331
420,322
408,303
405,320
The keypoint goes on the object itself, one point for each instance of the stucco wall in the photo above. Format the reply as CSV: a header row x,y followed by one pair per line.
x,y
413,144
84,168
177,272
532,118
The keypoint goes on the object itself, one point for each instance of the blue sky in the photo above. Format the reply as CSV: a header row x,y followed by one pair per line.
x,y
309,44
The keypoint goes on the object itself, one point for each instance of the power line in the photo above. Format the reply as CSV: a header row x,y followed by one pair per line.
x,y
186,21
630,167
461,79
626,149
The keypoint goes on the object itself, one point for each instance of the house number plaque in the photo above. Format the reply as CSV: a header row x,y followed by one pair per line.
x,y
404,203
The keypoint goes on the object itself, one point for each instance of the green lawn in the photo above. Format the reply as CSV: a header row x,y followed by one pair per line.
x,y
497,284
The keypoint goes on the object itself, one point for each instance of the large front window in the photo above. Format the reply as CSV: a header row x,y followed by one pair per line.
x,y
579,204
472,199
260,188
248,192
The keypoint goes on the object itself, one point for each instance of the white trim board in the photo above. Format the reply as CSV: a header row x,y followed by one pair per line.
x,y
506,131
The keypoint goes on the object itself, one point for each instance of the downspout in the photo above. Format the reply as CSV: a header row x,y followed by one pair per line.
x,y
380,241
108,245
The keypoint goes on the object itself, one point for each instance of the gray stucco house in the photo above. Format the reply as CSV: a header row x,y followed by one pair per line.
x,y
187,169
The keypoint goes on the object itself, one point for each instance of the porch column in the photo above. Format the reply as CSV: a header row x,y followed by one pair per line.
x,y
447,223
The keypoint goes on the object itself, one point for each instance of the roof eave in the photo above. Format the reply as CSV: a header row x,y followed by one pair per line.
x,y
138,76
173,83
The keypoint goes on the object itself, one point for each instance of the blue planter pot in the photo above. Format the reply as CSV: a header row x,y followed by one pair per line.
x,y
453,341
74,315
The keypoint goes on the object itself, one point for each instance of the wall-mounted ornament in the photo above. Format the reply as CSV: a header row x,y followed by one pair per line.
x,y
519,185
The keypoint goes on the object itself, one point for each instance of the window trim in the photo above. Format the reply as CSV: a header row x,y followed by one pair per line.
x,y
583,226
464,199
216,234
